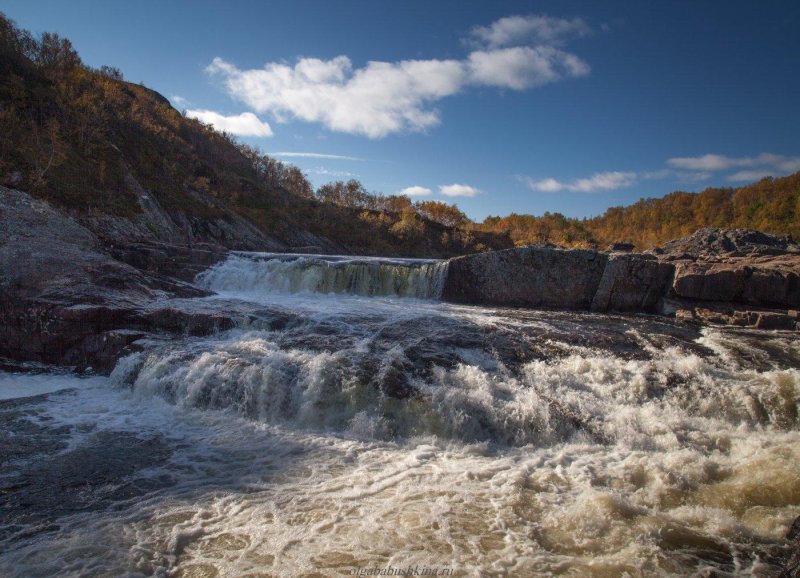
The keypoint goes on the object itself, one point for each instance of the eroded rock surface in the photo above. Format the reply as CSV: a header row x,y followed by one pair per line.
x,y
527,277
719,276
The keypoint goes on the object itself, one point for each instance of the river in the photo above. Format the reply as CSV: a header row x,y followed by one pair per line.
x,y
353,423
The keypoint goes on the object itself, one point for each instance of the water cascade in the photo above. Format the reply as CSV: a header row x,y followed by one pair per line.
x,y
280,273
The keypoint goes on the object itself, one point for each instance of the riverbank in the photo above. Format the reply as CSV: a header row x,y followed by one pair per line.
x,y
74,299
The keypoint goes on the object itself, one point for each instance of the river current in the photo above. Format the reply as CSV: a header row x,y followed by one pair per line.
x,y
352,423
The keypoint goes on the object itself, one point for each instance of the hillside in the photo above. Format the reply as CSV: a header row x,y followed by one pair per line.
x,y
770,205
124,162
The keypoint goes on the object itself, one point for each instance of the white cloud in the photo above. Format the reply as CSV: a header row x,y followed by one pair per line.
x,y
523,67
329,173
683,176
755,175
245,124
513,30
708,162
607,181
178,100
456,190
765,164
314,156
383,98
376,100
415,191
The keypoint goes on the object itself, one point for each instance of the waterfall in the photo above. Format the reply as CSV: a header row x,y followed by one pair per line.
x,y
366,276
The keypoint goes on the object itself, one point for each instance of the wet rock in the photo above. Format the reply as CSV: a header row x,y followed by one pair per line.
x,y
526,276
182,262
792,567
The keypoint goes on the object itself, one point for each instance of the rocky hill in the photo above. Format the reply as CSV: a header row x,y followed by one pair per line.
x,y
133,170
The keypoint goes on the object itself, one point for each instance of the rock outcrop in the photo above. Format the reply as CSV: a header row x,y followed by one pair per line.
x,y
69,296
711,244
733,277
633,282
774,283
64,299
532,276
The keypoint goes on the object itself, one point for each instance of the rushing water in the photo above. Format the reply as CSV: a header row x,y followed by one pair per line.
x,y
353,422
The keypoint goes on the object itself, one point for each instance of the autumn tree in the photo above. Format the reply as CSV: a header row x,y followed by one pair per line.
x,y
439,212
351,194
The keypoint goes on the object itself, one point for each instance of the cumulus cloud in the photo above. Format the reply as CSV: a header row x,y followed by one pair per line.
x,y
314,156
382,98
535,29
456,190
415,191
245,124
607,181
523,67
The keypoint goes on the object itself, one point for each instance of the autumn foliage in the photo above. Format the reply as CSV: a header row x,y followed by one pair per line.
x,y
85,139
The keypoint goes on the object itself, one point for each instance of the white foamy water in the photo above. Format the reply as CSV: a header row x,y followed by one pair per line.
x,y
344,432
276,273
14,386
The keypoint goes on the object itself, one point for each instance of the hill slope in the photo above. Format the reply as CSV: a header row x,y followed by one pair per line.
x,y
128,165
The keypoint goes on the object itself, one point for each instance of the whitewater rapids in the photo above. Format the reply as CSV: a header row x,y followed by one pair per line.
x,y
355,422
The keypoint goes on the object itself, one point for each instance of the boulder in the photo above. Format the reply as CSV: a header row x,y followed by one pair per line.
x,y
620,248
632,282
527,277
759,284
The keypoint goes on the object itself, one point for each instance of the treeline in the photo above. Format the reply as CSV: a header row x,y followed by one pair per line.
x,y
771,205
351,194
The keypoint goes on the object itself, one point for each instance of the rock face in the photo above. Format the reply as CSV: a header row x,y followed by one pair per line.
x,y
542,276
711,244
156,226
64,300
735,277
764,284
632,282
526,277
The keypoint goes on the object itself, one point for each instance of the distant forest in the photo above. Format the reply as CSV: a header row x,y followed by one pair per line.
x,y
84,139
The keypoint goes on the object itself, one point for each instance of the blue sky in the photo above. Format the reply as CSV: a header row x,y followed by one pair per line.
x,y
498,106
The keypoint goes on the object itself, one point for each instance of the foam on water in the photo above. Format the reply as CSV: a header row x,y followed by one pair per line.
x,y
388,432
16,385
273,273
249,497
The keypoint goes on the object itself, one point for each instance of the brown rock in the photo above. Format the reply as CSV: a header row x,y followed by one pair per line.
x,y
632,282
527,276
759,284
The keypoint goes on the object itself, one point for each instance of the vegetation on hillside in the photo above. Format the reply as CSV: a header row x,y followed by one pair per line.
x,y
83,138
770,205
